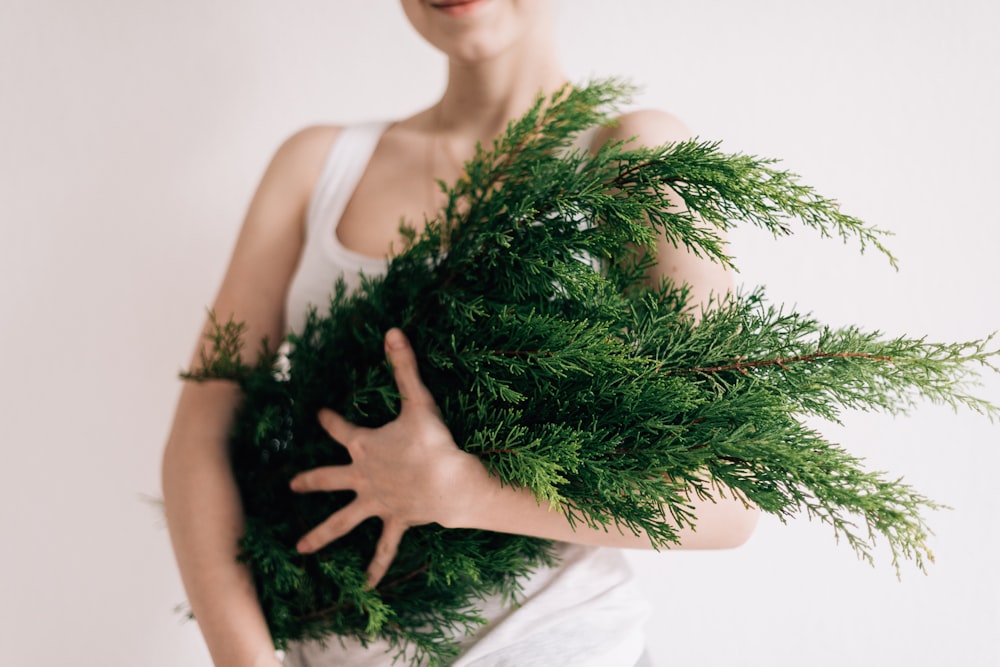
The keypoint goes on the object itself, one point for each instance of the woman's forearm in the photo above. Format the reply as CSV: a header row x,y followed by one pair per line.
x,y
205,519
721,524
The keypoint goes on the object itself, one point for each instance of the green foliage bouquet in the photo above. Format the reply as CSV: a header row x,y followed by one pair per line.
x,y
610,399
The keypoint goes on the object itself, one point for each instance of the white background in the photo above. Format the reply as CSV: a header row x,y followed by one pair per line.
x,y
132,134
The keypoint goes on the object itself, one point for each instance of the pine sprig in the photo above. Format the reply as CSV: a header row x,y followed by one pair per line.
x,y
824,370
554,362
723,189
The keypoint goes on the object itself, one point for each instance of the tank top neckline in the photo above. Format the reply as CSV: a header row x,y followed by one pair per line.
x,y
350,154
352,150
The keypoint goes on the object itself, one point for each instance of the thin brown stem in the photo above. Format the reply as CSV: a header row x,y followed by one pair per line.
x,y
781,362
404,578
322,613
625,174
521,353
382,588
489,452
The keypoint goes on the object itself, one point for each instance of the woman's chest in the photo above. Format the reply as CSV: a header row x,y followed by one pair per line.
x,y
399,187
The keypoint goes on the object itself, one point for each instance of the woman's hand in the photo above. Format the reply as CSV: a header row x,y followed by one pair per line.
x,y
408,472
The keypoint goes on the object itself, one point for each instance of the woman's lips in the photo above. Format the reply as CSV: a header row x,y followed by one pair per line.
x,y
458,7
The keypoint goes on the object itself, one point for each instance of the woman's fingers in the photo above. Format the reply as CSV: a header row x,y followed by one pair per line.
x,y
404,368
337,525
339,428
385,551
327,478
381,474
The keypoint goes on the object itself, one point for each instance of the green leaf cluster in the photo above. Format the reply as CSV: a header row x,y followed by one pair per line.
x,y
555,362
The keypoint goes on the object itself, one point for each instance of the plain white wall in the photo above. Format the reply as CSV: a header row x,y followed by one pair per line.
x,y
132,134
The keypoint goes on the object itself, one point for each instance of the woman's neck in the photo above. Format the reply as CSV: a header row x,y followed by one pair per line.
x,y
482,97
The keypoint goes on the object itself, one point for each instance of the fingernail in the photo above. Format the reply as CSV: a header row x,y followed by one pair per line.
x,y
395,339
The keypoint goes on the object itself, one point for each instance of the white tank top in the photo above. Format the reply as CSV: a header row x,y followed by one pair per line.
x,y
585,612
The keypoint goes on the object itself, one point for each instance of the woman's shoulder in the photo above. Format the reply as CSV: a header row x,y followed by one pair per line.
x,y
307,147
298,161
647,127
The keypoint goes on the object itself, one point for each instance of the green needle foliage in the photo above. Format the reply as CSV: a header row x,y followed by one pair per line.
x,y
555,363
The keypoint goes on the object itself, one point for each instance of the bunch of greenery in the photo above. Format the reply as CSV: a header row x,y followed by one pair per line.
x,y
612,400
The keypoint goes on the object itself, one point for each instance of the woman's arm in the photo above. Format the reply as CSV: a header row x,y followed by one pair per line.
x,y
202,504
410,472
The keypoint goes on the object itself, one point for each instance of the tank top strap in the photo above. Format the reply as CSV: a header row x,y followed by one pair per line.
x,y
345,164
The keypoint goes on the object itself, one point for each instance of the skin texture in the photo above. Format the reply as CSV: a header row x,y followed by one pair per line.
x,y
410,471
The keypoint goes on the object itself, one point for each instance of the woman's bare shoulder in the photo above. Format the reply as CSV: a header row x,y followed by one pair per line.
x,y
312,137
647,127
300,157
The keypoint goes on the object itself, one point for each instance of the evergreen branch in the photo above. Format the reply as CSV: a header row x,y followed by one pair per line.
x,y
221,356
724,190
606,398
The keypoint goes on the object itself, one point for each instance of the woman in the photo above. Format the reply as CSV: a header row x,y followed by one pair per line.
x,y
330,202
